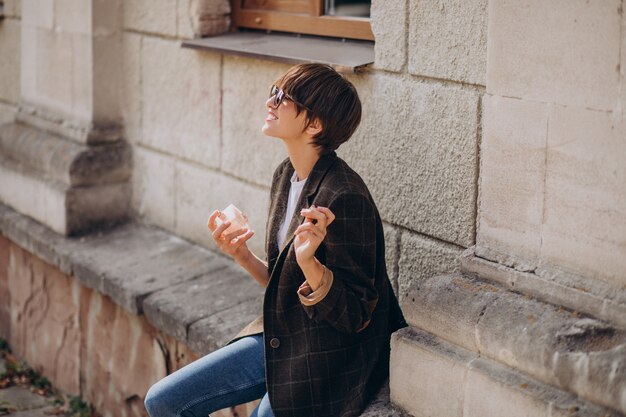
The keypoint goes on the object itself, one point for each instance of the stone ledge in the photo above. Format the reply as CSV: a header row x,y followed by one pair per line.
x,y
553,345
135,264
601,300
475,386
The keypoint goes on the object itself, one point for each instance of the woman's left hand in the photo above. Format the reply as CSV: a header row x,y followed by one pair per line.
x,y
310,234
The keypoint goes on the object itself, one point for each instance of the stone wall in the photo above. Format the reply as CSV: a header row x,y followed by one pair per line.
x,y
10,52
195,120
553,193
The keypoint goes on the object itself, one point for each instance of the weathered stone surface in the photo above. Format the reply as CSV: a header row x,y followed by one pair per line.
x,y
389,25
392,253
430,364
547,38
120,356
13,8
7,113
10,35
449,306
38,13
21,398
214,332
550,344
70,16
44,318
199,191
380,405
247,153
131,100
153,16
512,165
42,201
421,258
174,309
448,39
585,196
181,100
424,125
475,386
134,261
5,294
598,299
48,155
154,192
203,18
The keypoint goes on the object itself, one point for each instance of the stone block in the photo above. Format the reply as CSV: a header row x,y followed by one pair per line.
x,y
175,309
449,306
389,25
73,16
430,365
5,293
7,113
448,39
152,16
533,46
247,152
181,100
13,8
120,357
200,191
54,60
585,204
131,101
216,330
421,258
106,81
44,318
38,13
203,18
496,393
34,198
392,253
134,261
425,125
10,40
154,192
513,168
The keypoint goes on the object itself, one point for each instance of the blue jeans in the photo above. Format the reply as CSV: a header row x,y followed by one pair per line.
x,y
232,375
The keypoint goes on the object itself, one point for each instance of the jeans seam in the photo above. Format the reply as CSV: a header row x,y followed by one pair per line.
x,y
214,395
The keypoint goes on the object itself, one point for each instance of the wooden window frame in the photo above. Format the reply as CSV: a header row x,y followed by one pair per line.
x,y
302,16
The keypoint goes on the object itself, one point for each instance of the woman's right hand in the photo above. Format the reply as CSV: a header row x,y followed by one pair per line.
x,y
233,243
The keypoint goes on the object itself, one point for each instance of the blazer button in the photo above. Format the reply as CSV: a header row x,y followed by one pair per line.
x,y
274,343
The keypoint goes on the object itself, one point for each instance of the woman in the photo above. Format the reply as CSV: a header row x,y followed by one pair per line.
x,y
321,347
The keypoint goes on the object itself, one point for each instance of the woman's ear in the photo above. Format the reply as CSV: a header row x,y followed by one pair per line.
x,y
314,127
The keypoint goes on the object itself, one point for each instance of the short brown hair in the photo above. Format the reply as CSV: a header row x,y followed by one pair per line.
x,y
330,97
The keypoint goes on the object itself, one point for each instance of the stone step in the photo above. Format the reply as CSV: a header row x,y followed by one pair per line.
x,y
435,378
552,345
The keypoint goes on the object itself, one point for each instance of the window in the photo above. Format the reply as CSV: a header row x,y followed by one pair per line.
x,y
334,18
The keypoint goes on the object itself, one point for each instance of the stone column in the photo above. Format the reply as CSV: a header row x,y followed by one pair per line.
x,y
63,160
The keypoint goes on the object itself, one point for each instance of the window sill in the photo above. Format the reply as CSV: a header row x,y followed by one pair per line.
x,y
345,55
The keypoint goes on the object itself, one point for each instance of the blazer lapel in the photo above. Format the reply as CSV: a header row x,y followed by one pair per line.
x,y
311,186
277,211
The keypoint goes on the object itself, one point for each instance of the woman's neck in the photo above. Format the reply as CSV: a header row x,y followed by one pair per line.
x,y
303,158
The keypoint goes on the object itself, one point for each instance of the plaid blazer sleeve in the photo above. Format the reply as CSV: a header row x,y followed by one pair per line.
x,y
350,253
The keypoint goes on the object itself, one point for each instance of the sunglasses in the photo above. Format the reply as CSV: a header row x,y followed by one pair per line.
x,y
279,95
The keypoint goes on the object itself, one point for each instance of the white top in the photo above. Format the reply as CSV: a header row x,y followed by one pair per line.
x,y
294,194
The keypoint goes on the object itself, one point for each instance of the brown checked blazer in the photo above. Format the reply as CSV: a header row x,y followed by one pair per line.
x,y
327,359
